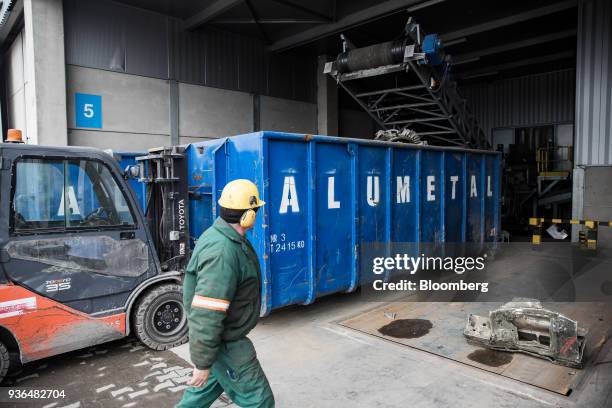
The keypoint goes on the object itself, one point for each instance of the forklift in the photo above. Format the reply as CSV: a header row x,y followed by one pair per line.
x,y
81,263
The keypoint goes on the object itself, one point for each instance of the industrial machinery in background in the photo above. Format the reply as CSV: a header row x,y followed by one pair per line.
x,y
536,180
407,84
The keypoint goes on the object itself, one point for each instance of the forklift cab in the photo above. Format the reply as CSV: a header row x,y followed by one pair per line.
x,y
77,262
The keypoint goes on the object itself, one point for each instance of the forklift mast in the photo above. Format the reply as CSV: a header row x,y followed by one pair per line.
x,y
164,172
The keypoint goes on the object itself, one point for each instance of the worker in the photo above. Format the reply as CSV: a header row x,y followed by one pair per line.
x,y
222,296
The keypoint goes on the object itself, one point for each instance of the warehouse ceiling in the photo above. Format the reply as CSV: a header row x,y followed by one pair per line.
x,y
488,40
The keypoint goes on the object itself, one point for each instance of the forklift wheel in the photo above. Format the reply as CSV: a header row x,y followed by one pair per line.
x,y
159,318
4,361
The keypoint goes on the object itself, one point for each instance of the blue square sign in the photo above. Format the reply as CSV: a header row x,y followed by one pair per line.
x,y
88,110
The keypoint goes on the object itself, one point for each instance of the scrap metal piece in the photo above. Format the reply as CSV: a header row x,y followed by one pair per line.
x,y
524,326
556,232
404,135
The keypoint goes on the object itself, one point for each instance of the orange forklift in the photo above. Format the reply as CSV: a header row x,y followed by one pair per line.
x,y
80,262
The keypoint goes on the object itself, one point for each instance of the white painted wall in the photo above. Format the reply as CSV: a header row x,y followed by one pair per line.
x,y
285,115
130,103
136,111
597,199
206,112
45,71
16,86
35,75
116,141
189,139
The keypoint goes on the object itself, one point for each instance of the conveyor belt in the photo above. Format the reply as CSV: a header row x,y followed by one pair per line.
x,y
408,83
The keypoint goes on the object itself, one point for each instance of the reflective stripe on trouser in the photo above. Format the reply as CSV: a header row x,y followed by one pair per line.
x,y
237,372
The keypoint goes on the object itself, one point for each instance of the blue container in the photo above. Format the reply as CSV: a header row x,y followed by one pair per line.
x,y
328,196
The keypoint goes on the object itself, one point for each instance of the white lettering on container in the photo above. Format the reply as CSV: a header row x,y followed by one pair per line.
x,y
403,189
431,188
290,197
331,199
373,196
453,180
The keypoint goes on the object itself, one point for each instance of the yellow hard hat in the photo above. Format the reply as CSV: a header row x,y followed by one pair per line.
x,y
240,194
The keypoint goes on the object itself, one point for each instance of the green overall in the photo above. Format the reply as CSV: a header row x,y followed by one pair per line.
x,y
222,295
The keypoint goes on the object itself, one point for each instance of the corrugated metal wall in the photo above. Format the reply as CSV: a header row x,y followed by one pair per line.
x,y
108,35
525,101
594,83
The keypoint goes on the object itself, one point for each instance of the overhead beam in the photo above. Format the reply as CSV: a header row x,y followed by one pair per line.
x,y
215,9
423,5
506,21
479,75
303,9
371,13
271,21
474,56
460,61
256,18
516,64
454,42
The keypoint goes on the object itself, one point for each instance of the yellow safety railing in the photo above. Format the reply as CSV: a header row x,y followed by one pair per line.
x,y
549,158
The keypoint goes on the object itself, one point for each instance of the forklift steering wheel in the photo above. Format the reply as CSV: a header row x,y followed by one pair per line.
x,y
96,218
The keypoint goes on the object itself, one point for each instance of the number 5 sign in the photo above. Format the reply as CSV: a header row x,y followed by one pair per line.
x,y
88,110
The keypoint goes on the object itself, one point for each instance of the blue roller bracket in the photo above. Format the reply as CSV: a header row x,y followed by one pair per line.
x,y
128,159
432,47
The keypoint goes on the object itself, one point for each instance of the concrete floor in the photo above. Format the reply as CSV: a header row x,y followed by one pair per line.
x,y
311,361
122,373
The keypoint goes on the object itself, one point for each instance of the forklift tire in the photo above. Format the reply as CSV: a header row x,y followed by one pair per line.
x,y
160,321
5,361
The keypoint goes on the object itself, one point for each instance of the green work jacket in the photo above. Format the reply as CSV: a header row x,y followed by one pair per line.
x,y
221,291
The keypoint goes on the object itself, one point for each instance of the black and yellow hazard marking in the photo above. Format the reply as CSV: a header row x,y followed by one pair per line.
x,y
587,238
587,223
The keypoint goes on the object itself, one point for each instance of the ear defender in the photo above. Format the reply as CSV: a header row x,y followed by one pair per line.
x,y
248,219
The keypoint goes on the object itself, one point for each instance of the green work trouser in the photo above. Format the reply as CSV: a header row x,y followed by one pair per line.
x,y
237,372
